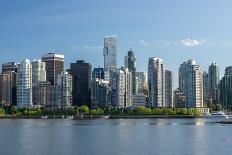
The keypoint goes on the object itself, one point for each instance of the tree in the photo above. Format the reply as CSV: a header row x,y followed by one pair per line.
x,y
84,109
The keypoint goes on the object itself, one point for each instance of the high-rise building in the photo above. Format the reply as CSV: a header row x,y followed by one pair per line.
x,y
156,82
38,71
168,88
122,88
9,66
110,54
192,85
101,93
130,63
64,90
24,84
141,81
8,88
81,72
226,89
98,73
54,65
182,73
205,80
44,94
213,82
228,70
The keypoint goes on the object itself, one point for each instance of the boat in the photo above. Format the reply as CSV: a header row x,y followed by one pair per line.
x,y
44,116
105,117
70,117
218,114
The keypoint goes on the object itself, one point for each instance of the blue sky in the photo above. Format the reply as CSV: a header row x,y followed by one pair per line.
x,y
174,30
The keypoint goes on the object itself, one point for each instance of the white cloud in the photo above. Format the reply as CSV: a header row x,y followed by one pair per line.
x,y
143,43
192,42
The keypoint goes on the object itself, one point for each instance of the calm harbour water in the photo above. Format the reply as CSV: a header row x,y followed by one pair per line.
x,y
114,136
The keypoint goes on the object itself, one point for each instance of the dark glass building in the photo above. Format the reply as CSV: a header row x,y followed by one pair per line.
x,y
98,73
9,66
226,89
130,63
54,66
82,73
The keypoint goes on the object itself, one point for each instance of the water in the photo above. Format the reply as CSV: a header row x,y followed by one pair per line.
x,y
114,136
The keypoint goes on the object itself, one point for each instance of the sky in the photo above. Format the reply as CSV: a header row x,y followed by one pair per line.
x,y
174,30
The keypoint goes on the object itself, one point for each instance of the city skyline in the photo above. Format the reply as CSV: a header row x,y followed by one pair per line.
x,y
152,29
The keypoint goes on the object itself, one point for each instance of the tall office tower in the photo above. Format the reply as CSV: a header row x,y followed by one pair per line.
x,y
141,81
205,80
81,72
122,88
192,84
24,84
156,82
228,70
38,71
101,93
64,90
9,66
54,65
179,99
110,54
8,88
130,63
182,73
168,88
213,82
98,73
44,94
225,88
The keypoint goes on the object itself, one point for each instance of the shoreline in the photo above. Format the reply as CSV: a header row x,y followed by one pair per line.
x,y
79,117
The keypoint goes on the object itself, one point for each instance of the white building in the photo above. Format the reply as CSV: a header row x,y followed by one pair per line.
x,y
122,88
24,84
38,71
64,89
110,55
156,82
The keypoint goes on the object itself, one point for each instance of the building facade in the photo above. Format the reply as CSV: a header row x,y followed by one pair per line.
x,y
110,54
64,90
101,93
130,63
24,84
9,66
38,71
81,72
54,65
122,88
44,94
156,83
213,83
226,89
168,88
141,81
8,88
192,84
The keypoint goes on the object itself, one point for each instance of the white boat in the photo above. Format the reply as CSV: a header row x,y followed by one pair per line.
x,y
70,117
105,117
218,114
44,116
